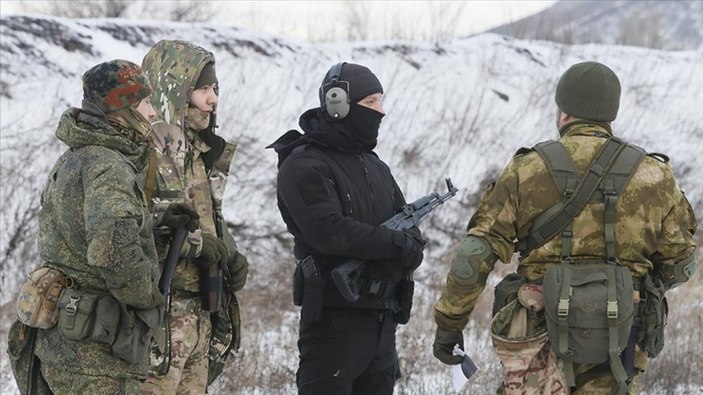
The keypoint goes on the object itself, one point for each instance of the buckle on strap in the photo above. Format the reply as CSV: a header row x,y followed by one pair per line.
x,y
612,309
563,308
72,306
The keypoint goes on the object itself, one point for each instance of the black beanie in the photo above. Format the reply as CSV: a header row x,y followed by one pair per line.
x,y
589,90
207,76
362,82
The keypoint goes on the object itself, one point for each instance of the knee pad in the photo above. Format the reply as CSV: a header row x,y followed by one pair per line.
x,y
674,275
473,253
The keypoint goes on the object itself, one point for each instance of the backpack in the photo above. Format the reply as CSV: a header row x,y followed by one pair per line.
x,y
589,305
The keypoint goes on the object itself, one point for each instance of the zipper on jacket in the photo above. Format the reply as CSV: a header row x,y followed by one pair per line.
x,y
368,182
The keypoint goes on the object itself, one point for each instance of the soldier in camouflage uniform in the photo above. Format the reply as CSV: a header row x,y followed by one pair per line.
x,y
95,228
192,166
654,224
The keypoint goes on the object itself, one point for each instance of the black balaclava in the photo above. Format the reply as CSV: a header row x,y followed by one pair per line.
x,y
364,123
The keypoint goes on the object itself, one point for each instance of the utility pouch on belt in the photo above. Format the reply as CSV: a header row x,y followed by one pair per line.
x,y
314,289
107,320
77,313
134,335
298,282
654,312
506,291
38,298
405,291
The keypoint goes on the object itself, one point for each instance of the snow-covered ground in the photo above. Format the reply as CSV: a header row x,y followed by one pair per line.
x,y
458,110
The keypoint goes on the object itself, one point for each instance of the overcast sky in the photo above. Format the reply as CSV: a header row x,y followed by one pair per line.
x,y
330,20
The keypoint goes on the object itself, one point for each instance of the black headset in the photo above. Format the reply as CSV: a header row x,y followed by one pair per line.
x,y
334,95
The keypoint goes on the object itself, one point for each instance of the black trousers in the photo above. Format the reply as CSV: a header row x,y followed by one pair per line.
x,y
349,351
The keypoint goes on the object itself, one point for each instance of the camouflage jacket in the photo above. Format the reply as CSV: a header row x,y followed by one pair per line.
x,y
94,227
173,68
654,220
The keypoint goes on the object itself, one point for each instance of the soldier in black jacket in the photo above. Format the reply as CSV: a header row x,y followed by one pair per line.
x,y
333,194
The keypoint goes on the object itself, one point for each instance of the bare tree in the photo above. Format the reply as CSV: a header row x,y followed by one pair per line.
x,y
357,15
444,17
80,8
181,10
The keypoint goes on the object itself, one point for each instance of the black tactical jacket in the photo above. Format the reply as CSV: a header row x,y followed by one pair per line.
x,y
333,195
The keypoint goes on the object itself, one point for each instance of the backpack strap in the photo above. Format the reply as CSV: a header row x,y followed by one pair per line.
x,y
562,213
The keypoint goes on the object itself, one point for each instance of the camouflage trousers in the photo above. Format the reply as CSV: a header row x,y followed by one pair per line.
x,y
62,382
190,340
530,367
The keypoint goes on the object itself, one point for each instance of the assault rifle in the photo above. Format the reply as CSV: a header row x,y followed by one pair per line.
x,y
346,274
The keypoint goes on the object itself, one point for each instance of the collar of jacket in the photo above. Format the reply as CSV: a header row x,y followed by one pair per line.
x,y
320,129
586,128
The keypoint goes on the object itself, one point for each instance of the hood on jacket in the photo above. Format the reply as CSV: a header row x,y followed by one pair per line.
x,y
173,68
320,130
78,128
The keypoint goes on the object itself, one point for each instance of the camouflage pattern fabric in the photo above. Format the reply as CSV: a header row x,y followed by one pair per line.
x,y
520,339
654,224
37,302
62,383
115,84
174,67
190,337
95,228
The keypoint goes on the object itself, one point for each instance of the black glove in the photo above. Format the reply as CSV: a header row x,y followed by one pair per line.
x,y
213,251
411,245
444,342
178,214
238,269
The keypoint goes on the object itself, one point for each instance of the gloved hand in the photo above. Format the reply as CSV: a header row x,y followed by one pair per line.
x,y
444,342
412,245
238,269
213,251
178,214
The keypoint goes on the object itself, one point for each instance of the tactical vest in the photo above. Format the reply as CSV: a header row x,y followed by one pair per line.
x,y
589,302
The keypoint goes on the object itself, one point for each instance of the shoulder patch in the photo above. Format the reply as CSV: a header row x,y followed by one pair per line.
x,y
522,151
658,156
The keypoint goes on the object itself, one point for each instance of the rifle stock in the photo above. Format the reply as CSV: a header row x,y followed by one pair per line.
x,y
172,256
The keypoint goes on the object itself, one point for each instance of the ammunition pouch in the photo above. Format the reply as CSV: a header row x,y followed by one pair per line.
x,y
84,315
404,292
653,313
313,291
77,313
298,285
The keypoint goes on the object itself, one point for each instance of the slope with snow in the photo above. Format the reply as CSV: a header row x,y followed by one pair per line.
x,y
455,110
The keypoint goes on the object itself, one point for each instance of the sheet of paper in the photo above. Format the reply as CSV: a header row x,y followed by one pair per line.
x,y
462,372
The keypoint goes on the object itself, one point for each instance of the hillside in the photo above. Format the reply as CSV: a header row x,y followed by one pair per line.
x,y
660,24
456,110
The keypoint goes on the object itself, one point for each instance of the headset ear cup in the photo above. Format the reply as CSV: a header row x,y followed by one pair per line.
x,y
337,102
